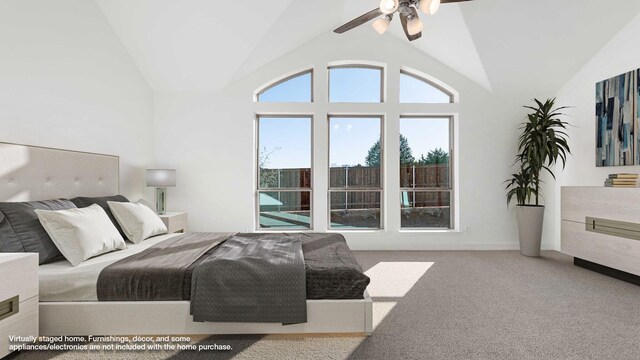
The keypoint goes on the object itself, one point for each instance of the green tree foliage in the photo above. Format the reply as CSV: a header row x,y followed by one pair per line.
x,y
373,156
406,156
434,157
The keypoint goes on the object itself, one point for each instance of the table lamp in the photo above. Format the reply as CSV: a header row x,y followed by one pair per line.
x,y
161,179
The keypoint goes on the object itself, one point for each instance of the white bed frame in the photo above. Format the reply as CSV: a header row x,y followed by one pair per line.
x,y
38,173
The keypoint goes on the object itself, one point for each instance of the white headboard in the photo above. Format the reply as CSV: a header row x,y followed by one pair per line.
x,y
39,173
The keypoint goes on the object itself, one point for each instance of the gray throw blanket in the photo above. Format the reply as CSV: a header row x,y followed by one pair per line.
x,y
252,279
161,272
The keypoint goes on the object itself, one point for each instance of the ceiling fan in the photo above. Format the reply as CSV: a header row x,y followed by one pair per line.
x,y
408,16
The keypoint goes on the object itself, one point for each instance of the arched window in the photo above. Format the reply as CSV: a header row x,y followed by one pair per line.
x,y
356,84
415,89
361,121
294,88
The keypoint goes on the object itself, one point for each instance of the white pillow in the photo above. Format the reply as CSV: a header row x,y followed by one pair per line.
x,y
137,221
81,234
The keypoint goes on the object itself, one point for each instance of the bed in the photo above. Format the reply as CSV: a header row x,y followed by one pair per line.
x,y
69,303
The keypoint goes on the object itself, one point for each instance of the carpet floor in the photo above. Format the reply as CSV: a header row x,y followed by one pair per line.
x,y
457,305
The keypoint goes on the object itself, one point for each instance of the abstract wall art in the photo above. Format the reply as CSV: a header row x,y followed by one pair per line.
x,y
617,120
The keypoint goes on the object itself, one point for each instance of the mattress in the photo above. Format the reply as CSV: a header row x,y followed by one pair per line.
x,y
331,270
59,281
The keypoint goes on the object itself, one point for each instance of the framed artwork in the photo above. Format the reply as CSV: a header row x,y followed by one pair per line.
x,y
617,120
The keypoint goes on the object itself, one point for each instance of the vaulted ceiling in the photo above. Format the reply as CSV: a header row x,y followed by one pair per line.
x,y
502,45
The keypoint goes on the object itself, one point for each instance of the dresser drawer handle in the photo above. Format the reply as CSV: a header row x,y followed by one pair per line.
x,y
9,307
616,228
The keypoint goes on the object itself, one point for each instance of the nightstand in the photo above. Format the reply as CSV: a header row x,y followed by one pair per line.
x,y
18,297
175,221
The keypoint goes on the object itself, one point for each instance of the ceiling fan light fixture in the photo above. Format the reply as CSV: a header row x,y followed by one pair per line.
x,y
414,26
381,25
389,6
429,7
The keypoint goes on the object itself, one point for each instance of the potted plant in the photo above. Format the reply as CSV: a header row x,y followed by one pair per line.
x,y
541,145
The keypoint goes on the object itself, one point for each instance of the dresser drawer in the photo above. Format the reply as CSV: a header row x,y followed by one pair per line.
x,y
24,323
612,251
19,276
621,204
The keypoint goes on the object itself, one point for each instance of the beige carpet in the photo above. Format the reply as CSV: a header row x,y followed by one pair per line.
x,y
459,305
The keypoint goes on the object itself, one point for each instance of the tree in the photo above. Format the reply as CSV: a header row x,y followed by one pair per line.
x,y
406,156
268,177
434,157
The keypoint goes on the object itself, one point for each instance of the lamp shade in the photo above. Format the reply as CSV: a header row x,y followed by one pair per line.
x,y
161,177
414,26
429,7
389,6
381,25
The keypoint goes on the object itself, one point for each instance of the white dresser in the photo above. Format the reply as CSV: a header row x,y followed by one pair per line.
x,y
602,225
18,297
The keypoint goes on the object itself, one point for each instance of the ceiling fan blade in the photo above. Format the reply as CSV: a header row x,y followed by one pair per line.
x,y
403,20
359,21
452,1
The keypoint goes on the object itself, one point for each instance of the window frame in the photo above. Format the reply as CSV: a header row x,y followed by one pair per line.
x,y
391,112
282,80
356,65
452,180
346,189
259,190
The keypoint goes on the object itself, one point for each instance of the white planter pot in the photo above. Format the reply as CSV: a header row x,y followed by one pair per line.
x,y
530,221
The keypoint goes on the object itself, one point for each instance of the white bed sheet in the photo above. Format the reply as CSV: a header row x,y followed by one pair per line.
x,y
59,281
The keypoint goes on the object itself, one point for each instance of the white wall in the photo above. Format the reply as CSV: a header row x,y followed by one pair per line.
x,y
620,55
67,82
209,138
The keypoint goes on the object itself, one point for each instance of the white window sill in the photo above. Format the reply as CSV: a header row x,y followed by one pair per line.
x,y
377,231
432,231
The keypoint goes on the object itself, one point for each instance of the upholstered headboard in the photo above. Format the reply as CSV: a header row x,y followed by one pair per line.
x,y
39,173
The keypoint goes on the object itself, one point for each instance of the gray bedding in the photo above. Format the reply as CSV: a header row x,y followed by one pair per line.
x,y
159,273
252,280
332,270
21,231
165,271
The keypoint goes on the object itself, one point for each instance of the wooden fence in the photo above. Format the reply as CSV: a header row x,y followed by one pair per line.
x,y
359,177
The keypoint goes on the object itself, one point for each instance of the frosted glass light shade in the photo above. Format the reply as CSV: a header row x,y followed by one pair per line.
x,y
381,25
429,7
389,6
161,178
414,26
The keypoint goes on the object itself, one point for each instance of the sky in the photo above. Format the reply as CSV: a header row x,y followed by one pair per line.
x,y
355,85
416,91
350,139
288,140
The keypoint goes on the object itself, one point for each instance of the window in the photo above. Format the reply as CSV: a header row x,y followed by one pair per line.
x,y
414,89
284,172
357,134
296,88
361,84
425,172
355,172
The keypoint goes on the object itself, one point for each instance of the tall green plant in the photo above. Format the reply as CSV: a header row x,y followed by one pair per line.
x,y
543,142
520,186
